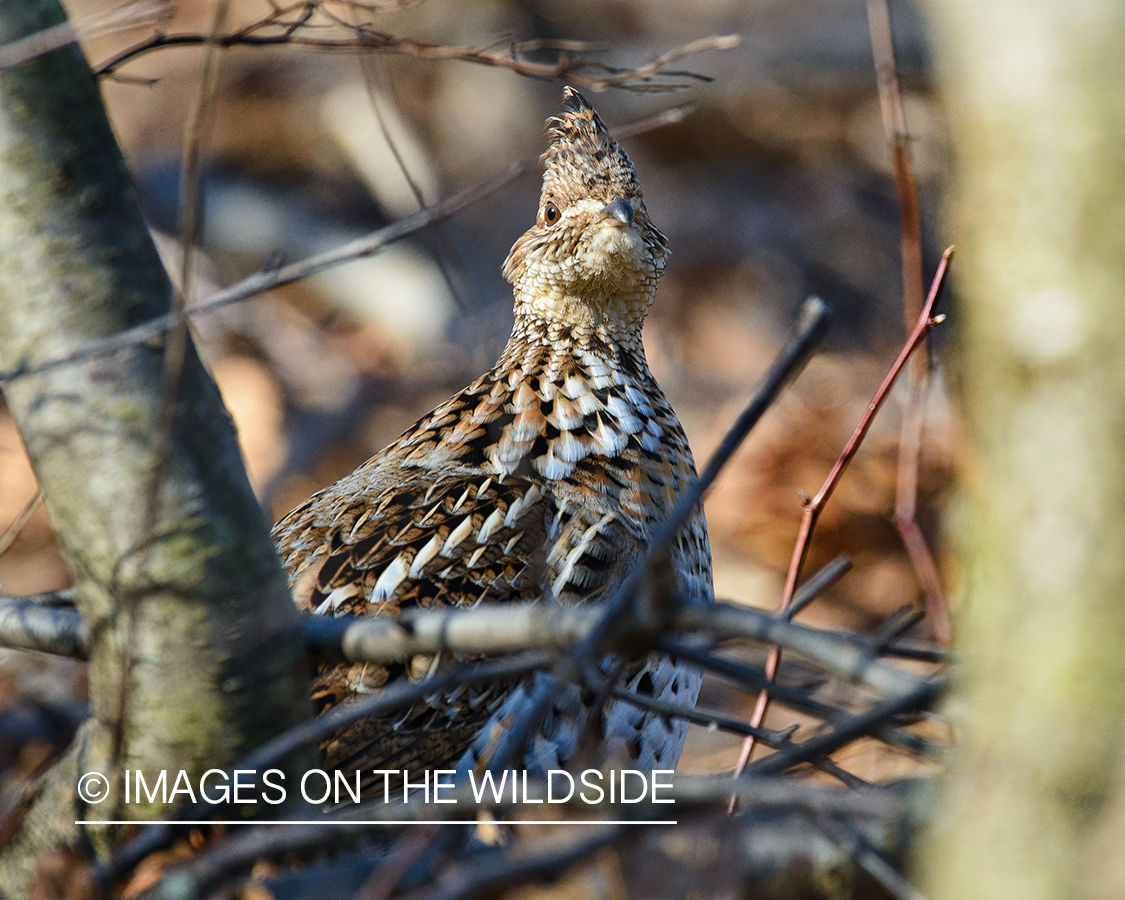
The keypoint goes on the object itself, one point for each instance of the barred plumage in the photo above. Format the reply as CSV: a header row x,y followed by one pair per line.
x,y
544,479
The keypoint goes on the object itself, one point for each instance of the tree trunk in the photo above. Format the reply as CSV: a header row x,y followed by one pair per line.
x,y
195,656
1036,97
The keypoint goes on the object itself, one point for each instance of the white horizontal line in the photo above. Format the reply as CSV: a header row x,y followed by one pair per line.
x,y
372,822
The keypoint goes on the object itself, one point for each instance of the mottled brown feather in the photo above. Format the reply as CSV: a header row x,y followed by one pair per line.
x,y
543,479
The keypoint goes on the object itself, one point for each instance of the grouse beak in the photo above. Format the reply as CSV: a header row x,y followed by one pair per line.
x,y
620,209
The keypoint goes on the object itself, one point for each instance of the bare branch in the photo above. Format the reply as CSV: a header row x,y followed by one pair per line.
x,y
496,629
837,652
918,377
278,29
898,141
27,625
395,696
812,588
138,14
847,730
811,328
926,323
12,532
269,279
751,678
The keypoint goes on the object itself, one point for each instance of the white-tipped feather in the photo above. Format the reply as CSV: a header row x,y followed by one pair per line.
x,y
389,580
458,534
552,468
475,558
574,387
568,448
532,496
609,441
428,552
524,428
494,521
566,414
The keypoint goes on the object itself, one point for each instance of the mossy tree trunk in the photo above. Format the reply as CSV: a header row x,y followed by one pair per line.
x,y
195,655
1035,92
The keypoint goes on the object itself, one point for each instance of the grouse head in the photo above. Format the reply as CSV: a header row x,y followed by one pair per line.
x,y
591,262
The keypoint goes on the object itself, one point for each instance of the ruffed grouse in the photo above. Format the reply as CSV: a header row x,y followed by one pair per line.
x,y
543,479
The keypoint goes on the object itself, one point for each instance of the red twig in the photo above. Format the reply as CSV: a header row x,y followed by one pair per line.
x,y
925,323
918,378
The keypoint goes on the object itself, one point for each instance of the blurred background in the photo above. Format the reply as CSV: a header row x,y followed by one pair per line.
x,y
775,183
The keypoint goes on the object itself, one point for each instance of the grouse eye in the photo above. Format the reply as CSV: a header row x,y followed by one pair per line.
x,y
551,214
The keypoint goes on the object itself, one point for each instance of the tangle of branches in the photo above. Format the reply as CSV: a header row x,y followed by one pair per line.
x,y
871,694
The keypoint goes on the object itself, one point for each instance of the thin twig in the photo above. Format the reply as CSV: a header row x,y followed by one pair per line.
x,y
816,585
268,279
708,720
13,531
446,253
130,16
847,729
918,376
926,323
577,70
898,140
752,678
837,652
279,276
658,65
925,568
812,326
894,627
388,699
